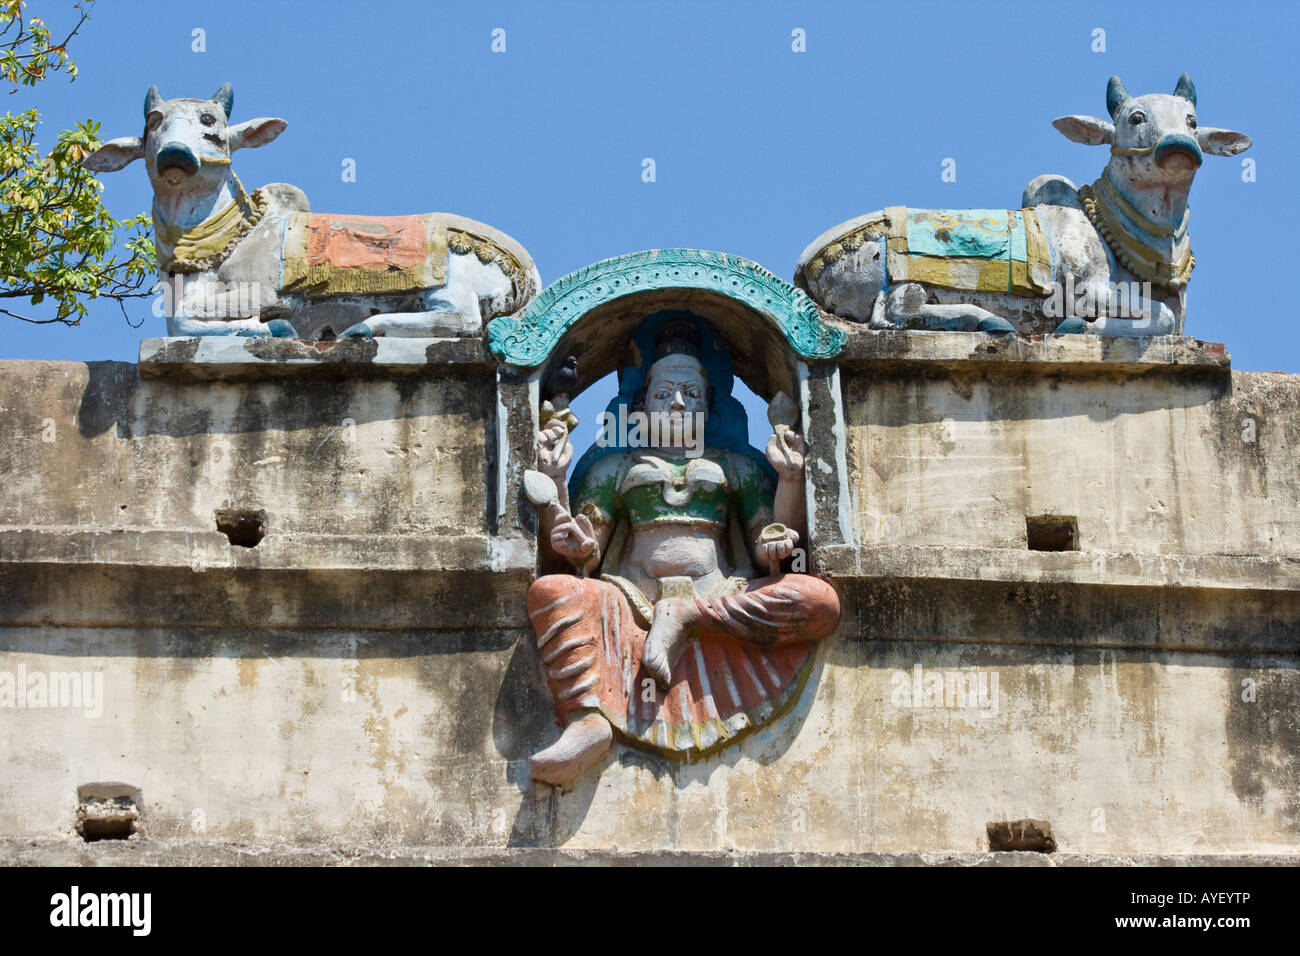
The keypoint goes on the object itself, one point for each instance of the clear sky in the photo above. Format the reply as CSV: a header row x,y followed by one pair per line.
x,y
757,148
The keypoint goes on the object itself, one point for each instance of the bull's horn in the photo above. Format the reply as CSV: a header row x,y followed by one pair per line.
x,y
1186,89
225,98
151,100
1115,95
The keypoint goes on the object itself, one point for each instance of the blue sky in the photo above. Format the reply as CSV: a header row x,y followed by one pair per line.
x,y
758,149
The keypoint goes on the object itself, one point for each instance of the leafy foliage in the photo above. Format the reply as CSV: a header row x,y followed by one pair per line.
x,y
57,241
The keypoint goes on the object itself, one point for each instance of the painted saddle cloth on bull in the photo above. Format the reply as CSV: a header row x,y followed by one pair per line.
x,y
328,255
749,654
972,250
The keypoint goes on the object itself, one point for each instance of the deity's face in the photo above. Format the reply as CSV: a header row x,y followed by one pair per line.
x,y
677,394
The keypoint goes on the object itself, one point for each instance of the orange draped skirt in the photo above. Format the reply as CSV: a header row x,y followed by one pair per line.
x,y
744,661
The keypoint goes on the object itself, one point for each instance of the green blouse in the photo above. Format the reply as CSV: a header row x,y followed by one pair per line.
x,y
649,486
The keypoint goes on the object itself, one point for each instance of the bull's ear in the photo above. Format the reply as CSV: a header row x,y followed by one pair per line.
x,y
255,132
1086,129
1222,142
115,154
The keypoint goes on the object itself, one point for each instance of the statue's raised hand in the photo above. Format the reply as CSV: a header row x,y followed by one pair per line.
x,y
571,540
785,452
554,450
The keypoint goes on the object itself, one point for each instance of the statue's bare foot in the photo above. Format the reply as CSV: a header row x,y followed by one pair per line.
x,y
664,642
583,744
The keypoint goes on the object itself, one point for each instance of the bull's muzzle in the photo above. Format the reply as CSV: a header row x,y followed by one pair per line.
x,y
177,156
1177,144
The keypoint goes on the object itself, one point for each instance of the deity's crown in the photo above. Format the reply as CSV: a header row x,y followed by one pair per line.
x,y
677,337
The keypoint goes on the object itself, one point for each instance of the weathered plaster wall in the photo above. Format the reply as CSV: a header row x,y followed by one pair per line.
x,y
366,675
1153,463
377,740
92,446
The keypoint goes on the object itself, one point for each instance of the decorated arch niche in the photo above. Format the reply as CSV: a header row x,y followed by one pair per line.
x,y
676,608
766,323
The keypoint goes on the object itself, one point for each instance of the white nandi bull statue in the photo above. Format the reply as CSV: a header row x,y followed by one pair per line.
x,y
260,263
1111,258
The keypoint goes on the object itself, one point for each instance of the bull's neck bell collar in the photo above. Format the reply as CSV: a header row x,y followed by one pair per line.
x,y
1161,255
211,242
1115,199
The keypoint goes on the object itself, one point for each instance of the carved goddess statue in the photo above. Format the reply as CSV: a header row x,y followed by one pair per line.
x,y
663,632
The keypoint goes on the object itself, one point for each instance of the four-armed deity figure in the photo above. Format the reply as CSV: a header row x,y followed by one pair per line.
x,y
662,631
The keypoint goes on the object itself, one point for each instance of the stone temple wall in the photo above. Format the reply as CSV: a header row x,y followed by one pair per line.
x,y
300,570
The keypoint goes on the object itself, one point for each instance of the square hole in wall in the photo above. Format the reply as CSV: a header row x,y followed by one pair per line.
x,y
1034,836
242,528
108,811
1052,533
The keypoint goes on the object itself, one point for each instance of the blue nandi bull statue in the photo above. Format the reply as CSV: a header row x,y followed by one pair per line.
x,y
1112,257
261,263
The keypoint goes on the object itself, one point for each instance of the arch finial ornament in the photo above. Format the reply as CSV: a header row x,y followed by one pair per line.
x,y
527,340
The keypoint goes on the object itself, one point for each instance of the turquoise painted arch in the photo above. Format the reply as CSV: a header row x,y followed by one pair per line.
x,y
527,340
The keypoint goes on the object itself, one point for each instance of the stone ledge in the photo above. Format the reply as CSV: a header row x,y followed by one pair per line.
x,y
142,579
238,358
47,852
210,550
1035,354
134,599
1102,568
